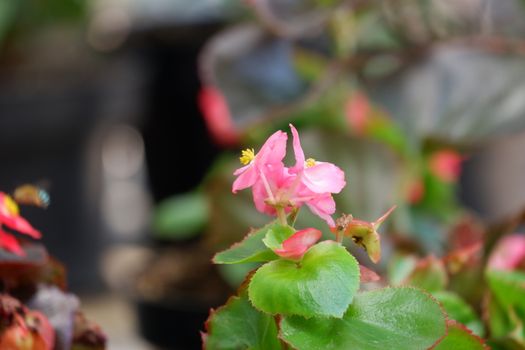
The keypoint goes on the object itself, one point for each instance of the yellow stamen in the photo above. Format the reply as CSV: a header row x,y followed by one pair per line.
x,y
310,162
11,205
247,156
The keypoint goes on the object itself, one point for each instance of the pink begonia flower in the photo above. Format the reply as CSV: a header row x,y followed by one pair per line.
x,y
296,246
446,165
319,177
509,253
255,165
10,217
274,185
278,181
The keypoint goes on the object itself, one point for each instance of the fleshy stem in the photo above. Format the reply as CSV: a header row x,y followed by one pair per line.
x,y
281,214
293,215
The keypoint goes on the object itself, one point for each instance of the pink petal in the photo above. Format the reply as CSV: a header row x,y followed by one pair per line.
x,y
324,177
10,243
242,170
248,176
324,207
509,253
295,246
21,225
259,199
273,150
298,150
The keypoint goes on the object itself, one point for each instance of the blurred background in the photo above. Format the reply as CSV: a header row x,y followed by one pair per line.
x,y
132,113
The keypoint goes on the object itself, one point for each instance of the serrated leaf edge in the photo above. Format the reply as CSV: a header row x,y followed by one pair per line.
x,y
318,316
251,233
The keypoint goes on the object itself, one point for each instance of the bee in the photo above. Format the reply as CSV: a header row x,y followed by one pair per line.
x,y
32,195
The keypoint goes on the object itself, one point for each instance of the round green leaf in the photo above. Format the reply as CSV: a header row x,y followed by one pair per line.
x,y
323,283
391,318
237,325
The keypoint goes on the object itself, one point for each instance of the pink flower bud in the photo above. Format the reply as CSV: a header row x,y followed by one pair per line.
x,y
296,245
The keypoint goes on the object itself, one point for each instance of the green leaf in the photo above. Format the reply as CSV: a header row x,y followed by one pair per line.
x,y
460,338
309,65
508,287
250,249
238,325
181,216
429,274
391,318
458,310
277,235
323,283
400,267
506,307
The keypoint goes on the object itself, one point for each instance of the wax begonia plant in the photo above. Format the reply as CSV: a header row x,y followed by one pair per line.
x,y
306,292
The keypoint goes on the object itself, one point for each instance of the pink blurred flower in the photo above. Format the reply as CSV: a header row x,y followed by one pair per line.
x,y
357,112
446,165
10,217
217,116
416,191
296,246
509,253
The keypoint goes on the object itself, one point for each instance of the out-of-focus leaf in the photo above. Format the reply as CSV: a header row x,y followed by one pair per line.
x,y
238,325
508,287
322,283
294,18
308,64
446,96
429,274
506,306
458,310
181,216
400,267
8,11
391,318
